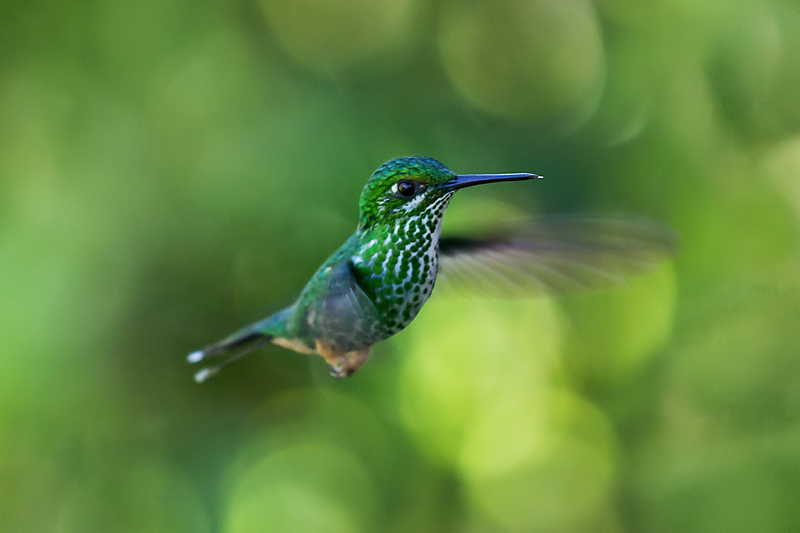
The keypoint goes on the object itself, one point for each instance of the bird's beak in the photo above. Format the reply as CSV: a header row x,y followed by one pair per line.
x,y
468,180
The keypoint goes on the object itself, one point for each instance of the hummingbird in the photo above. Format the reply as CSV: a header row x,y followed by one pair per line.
x,y
375,284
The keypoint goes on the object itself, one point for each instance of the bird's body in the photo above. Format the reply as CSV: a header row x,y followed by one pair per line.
x,y
374,285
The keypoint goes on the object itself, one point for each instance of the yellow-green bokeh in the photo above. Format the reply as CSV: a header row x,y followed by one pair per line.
x,y
467,355
523,59
542,463
614,334
329,37
308,487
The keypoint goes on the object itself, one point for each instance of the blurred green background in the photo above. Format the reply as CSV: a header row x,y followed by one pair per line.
x,y
173,170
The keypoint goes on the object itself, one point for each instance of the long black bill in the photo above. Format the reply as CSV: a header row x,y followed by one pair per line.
x,y
468,180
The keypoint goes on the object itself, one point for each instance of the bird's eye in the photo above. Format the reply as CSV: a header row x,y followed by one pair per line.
x,y
406,188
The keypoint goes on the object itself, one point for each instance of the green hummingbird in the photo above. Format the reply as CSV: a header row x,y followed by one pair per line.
x,y
374,285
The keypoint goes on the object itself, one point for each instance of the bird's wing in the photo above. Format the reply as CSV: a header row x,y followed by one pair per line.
x,y
557,254
346,313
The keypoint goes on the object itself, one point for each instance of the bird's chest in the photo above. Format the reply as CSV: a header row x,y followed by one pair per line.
x,y
400,272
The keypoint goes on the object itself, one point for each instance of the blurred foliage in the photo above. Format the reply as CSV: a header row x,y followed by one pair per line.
x,y
172,170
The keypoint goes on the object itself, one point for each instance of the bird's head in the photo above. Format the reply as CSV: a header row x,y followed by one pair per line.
x,y
409,187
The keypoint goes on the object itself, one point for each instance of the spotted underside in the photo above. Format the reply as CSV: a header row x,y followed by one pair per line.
x,y
372,287
398,268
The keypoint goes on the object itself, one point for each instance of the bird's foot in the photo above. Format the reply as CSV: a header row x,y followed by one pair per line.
x,y
338,370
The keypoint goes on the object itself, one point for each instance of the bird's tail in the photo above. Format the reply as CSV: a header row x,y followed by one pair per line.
x,y
248,339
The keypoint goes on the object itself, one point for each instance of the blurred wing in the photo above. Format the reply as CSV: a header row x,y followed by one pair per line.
x,y
346,313
557,254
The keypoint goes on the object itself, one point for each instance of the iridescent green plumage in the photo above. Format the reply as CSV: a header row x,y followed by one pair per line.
x,y
374,285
